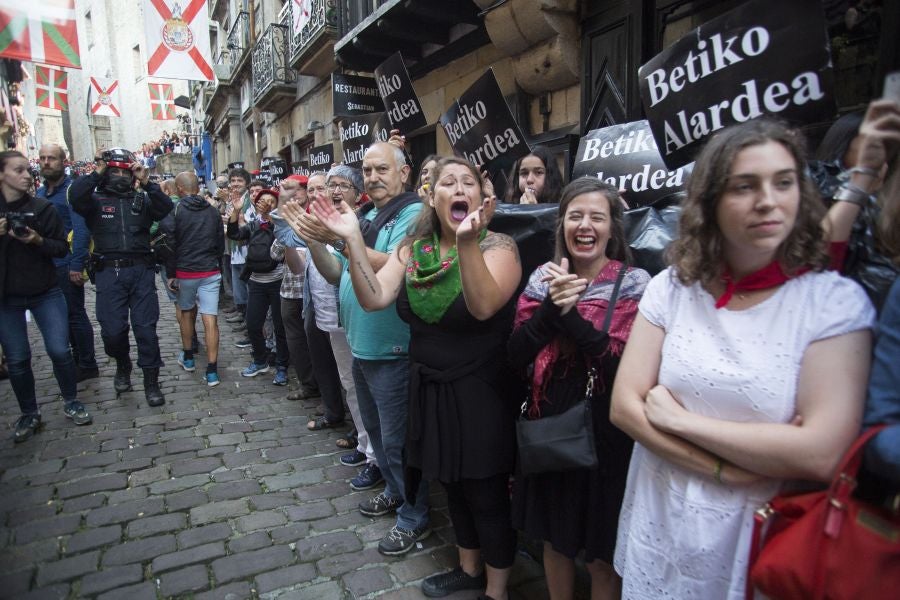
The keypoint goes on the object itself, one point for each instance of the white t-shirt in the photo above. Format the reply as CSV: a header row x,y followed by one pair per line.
x,y
682,535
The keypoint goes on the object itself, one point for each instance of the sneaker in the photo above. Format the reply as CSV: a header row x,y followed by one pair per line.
x,y
442,584
26,426
254,369
75,410
368,478
186,363
379,505
281,377
400,541
212,379
236,318
244,343
353,459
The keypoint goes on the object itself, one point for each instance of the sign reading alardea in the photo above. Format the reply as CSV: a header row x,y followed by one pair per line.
x,y
626,156
765,57
401,104
360,132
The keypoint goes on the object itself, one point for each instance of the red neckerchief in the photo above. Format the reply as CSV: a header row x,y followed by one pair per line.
x,y
770,276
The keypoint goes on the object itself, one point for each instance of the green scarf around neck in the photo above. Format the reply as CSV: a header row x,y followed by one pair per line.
x,y
432,282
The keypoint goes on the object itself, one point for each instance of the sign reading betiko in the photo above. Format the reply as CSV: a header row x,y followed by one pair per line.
x,y
360,132
321,157
626,156
481,127
354,95
400,101
766,57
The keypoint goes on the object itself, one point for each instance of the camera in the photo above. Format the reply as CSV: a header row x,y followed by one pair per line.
x,y
17,222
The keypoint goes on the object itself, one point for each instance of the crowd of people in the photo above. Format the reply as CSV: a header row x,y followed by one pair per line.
x,y
743,369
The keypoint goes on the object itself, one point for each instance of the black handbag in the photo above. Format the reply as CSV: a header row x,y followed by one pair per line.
x,y
563,442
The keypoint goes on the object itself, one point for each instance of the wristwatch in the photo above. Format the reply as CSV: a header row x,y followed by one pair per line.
x,y
339,245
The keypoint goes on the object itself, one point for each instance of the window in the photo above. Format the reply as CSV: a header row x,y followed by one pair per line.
x,y
89,29
137,64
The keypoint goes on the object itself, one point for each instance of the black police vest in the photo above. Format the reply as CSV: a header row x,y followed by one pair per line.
x,y
124,223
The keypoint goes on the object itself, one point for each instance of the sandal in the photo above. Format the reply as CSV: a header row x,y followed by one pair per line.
x,y
320,423
348,441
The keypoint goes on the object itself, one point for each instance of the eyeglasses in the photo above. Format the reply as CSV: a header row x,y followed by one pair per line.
x,y
344,187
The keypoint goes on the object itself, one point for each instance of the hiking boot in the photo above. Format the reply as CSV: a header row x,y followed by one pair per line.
x,y
26,426
400,541
379,505
442,584
368,478
122,378
76,411
152,393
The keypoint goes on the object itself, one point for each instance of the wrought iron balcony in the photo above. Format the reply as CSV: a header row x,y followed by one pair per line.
x,y
312,46
274,82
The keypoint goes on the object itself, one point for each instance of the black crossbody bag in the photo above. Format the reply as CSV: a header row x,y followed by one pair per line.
x,y
563,442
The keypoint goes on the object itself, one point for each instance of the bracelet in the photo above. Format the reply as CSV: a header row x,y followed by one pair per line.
x,y
717,470
863,171
851,193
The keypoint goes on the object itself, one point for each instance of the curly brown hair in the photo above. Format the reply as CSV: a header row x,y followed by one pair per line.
x,y
617,247
697,253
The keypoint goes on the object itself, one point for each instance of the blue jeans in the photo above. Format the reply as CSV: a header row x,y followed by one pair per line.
x,y
50,313
81,332
382,390
238,286
261,298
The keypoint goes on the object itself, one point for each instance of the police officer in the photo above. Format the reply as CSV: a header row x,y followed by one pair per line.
x,y
119,203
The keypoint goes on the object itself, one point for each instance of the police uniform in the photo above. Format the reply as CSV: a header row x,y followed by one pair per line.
x,y
119,221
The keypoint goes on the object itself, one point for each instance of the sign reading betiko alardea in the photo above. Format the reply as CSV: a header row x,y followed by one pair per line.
x,y
354,95
766,57
481,127
627,157
401,104
360,132
321,157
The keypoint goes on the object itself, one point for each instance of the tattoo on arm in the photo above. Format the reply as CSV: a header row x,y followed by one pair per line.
x,y
366,277
500,241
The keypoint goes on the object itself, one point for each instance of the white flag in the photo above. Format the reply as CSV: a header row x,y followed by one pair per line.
x,y
104,97
178,39
302,10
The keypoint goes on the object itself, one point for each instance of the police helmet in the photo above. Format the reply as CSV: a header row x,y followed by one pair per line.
x,y
118,157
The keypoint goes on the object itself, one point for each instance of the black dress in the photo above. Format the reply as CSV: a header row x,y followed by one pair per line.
x,y
577,509
462,395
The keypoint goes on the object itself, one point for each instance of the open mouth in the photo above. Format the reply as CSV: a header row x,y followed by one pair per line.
x,y
585,242
459,210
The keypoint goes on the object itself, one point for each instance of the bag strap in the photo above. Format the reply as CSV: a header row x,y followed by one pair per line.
x,y
613,298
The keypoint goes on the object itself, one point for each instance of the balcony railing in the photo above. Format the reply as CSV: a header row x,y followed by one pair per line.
x,y
322,18
272,73
237,41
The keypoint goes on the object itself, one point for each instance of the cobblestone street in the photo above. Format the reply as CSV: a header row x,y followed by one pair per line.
x,y
221,493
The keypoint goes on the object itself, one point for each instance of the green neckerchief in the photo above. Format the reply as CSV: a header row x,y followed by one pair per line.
x,y
432,282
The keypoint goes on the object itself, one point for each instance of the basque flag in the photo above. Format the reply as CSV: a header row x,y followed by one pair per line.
x,y
51,87
40,32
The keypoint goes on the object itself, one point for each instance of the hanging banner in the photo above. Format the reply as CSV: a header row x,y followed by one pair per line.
x,y
178,39
301,12
51,88
401,104
627,157
360,132
162,101
103,97
41,32
354,95
766,57
482,129
321,157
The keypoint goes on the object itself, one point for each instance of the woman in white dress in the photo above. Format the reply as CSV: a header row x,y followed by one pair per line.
x,y
746,367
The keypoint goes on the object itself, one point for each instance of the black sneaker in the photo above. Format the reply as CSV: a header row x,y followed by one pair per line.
x,y
26,426
442,584
400,541
379,505
244,343
75,410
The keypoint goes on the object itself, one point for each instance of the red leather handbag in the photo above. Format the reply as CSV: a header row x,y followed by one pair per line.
x,y
827,545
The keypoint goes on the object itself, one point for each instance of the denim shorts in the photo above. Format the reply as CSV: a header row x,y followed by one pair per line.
x,y
204,292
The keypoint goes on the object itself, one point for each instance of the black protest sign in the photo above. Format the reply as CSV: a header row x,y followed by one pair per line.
x,y
354,95
360,132
236,165
301,167
401,104
275,168
766,57
481,127
627,157
321,157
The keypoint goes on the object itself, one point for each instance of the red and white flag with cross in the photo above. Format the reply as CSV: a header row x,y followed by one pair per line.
x,y
162,101
178,39
302,13
51,88
104,97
